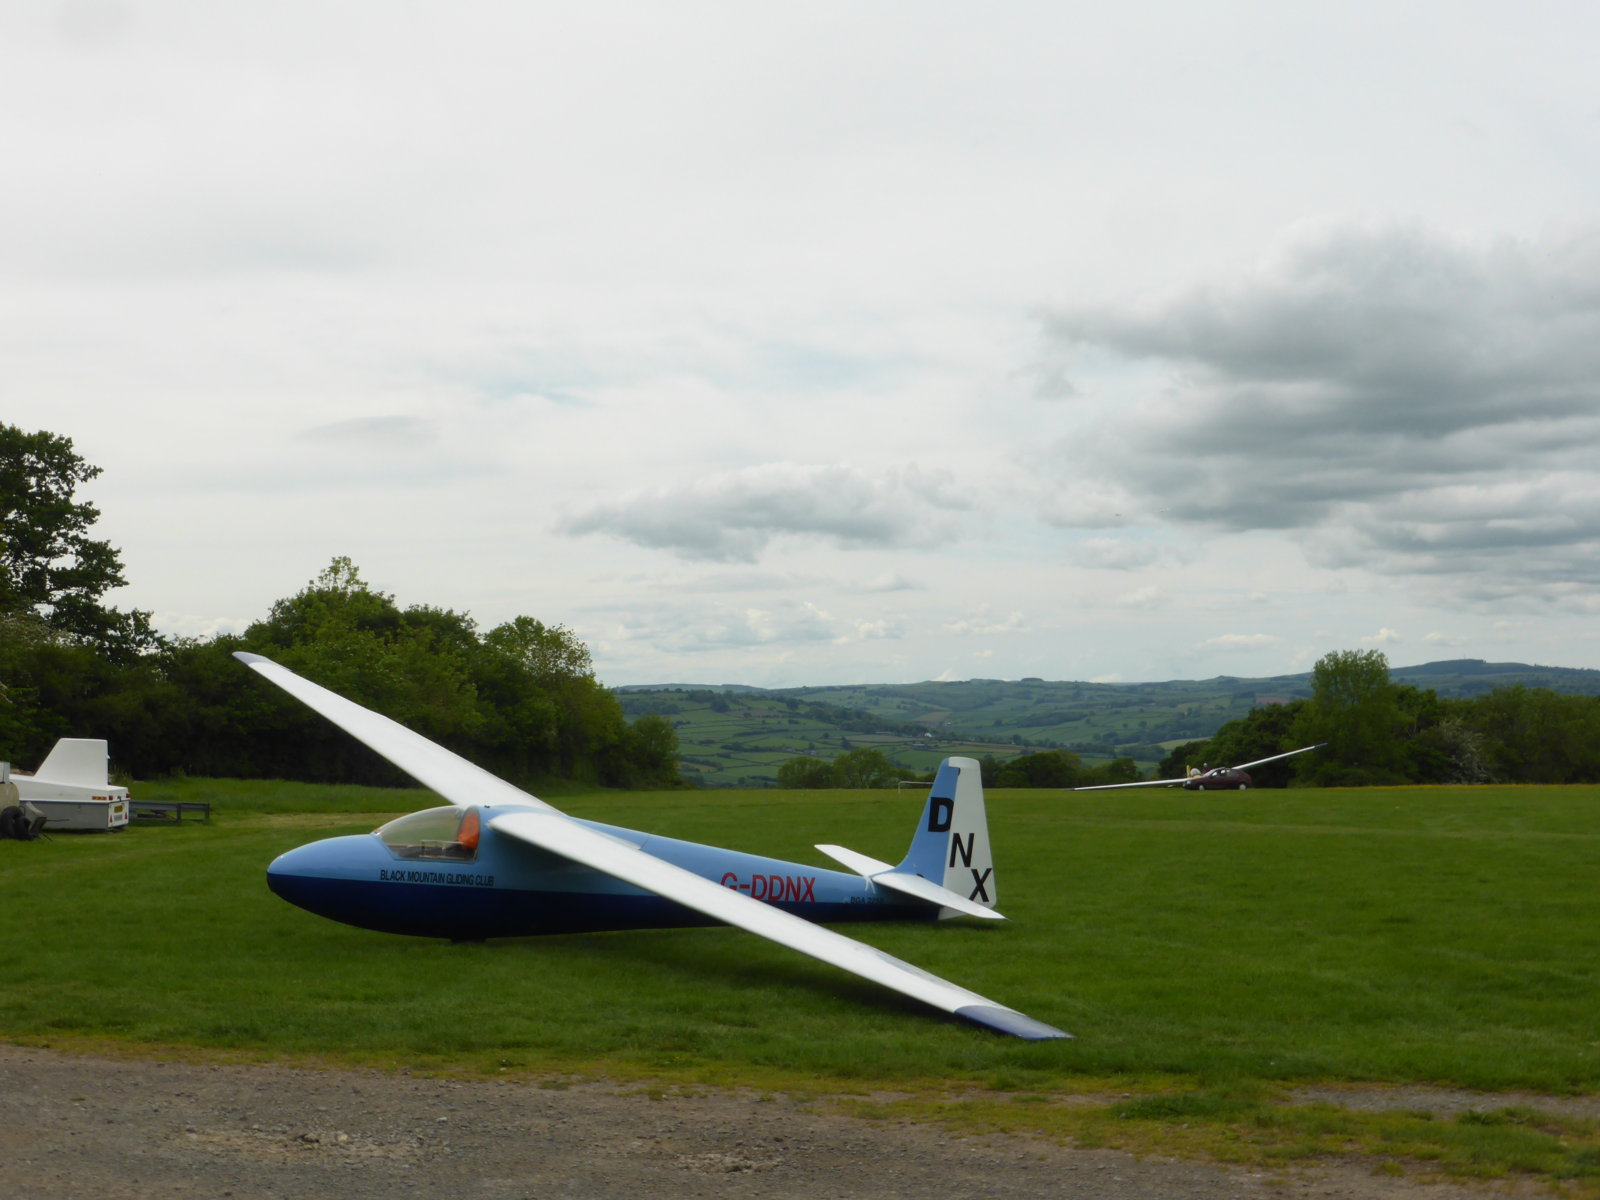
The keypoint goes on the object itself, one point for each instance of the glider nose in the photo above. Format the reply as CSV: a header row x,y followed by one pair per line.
x,y
315,877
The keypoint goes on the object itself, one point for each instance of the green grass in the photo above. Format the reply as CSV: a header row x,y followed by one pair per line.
x,y
1207,951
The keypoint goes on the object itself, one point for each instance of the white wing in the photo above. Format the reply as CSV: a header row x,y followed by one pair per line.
x,y
1276,757
453,777
1106,787
554,832
1103,787
462,783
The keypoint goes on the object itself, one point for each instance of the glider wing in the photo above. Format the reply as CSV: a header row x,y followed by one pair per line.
x,y
1276,757
453,777
1106,787
554,832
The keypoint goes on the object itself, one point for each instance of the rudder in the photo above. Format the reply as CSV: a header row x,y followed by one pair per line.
x,y
951,845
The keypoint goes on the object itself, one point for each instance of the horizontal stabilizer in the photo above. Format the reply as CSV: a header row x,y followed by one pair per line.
x,y
862,864
884,875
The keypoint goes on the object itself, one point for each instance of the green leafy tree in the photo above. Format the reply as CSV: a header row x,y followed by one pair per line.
x,y
32,655
1118,770
803,772
648,754
1263,732
50,568
1180,758
544,652
1356,711
864,768
337,631
56,686
1453,750
550,714
1534,735
1049,769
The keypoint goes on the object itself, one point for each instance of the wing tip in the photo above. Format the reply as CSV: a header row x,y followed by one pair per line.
x,y
1009,1020
249,659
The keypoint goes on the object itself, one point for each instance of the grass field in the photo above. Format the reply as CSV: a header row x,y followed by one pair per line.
x,y
1206,950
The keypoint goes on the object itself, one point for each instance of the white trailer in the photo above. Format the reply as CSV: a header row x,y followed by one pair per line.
x,y
73,788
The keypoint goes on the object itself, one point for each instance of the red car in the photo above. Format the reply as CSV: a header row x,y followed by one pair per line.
x,y
1216,779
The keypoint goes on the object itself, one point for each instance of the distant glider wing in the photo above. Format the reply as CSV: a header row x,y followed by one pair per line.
x,y
453,777
1276,757
1101,787
1106,787
561,835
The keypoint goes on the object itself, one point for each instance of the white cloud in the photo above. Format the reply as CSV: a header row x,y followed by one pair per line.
x,y
986,622
892,581
1145,597
1240,641
732,517
886,628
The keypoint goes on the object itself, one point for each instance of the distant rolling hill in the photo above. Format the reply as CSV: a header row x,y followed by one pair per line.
x,y
733,735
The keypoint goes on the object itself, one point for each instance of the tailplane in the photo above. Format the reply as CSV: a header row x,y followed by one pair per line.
x,y
949,862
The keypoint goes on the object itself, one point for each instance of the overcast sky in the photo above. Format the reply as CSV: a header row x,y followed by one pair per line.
x,y
830,342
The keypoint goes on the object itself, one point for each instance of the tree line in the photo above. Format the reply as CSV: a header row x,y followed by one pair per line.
x,y
1381,733
870,768
520,699
1371,732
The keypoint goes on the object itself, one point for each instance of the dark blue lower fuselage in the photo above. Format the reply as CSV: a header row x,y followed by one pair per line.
x,y
510,889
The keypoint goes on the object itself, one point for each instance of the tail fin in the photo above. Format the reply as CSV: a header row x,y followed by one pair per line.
x,y
951,845
76,760
949,864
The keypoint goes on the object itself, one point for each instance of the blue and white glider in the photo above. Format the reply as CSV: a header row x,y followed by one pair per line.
x,y
499,862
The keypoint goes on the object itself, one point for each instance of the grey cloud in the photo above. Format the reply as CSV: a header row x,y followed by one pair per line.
x,y
1410,403
733,517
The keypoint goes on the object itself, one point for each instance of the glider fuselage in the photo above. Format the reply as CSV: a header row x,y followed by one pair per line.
x,y
488,885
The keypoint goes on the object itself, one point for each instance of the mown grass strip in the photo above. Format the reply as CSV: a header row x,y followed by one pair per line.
x,y
1197,946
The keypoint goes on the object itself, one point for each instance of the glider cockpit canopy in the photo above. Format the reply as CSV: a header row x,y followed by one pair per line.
x,y
449,834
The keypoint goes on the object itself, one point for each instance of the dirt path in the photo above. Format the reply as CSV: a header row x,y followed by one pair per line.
x,y
76,1128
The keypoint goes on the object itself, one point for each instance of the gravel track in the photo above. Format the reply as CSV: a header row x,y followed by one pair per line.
x,y
76,1127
